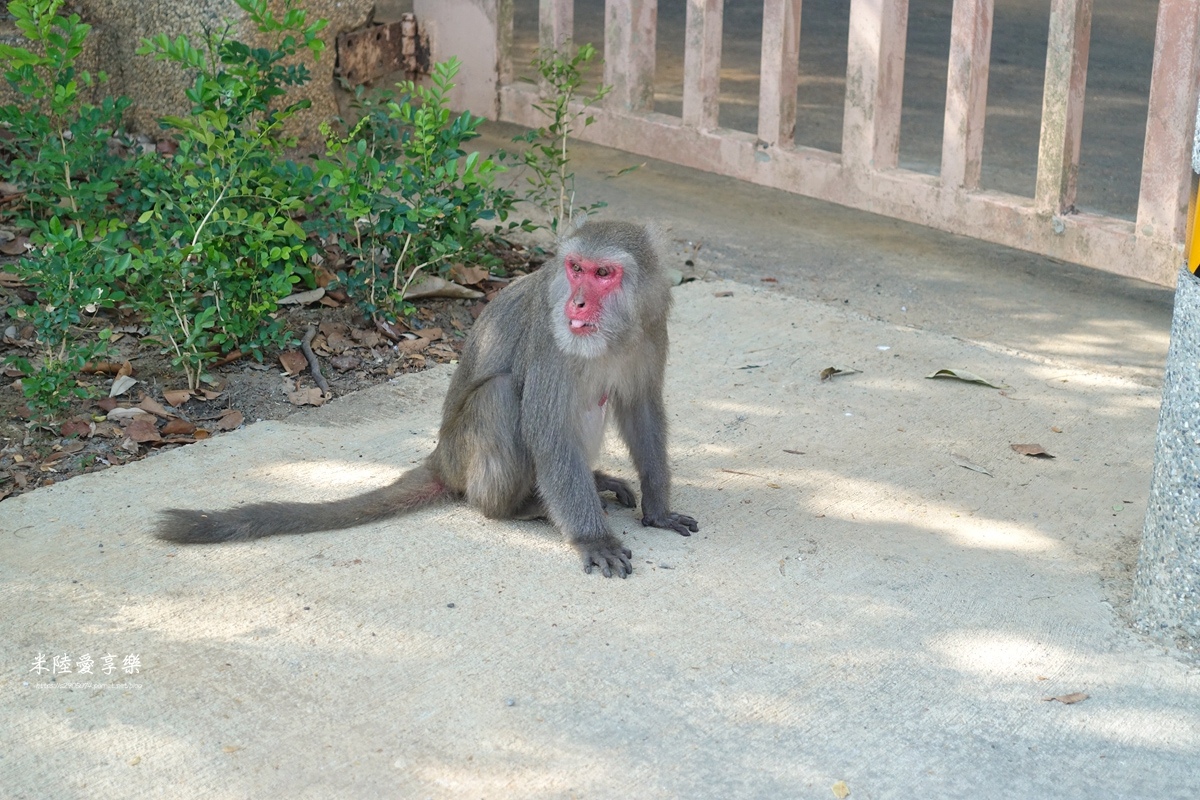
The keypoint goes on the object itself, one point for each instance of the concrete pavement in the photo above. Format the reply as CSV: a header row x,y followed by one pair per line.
x,y
859,606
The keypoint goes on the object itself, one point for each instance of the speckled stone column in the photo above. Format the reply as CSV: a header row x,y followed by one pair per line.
x,y
1166,595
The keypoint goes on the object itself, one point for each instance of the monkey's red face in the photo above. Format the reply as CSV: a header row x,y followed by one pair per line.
x,y
592,282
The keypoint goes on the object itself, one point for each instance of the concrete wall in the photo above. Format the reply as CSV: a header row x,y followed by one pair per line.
x,y
470,30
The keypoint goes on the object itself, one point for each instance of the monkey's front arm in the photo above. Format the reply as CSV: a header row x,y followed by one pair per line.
x,y
643,426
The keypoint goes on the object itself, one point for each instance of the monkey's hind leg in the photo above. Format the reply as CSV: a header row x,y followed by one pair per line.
x,y
497,469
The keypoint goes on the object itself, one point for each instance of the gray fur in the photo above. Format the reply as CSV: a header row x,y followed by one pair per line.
x,y
520,415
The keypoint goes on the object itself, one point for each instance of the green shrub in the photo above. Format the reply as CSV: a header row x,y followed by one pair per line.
x,y
58,148
59,151
403,194
218,243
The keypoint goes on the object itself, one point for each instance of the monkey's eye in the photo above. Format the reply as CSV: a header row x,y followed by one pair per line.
x,y
574,266
602,272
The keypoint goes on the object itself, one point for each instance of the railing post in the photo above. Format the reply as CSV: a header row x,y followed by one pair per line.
x,y
780,65
874,84
702,63
1062,104
966,93
630,27
556,23
1166,179
504,42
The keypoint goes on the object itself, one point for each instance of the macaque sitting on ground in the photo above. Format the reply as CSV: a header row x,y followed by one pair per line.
x,y
548,361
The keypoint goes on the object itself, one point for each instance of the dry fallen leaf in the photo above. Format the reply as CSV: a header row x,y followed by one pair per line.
x,y
1034,450
840,790
302,298
963,461
229,420
154,407
178,426
429,334
722,294
15,247
126,369
829,372
962,375
344,363
307,397
177,397
122,385
1068,699
468,276
433,286
293,361
126,414
339,342
794,452
1056,429
412,346
77,427
143,430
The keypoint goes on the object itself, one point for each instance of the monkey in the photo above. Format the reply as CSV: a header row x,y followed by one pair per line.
x,y
549,360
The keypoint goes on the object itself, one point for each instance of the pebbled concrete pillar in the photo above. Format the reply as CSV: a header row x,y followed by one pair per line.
x,y
1166,598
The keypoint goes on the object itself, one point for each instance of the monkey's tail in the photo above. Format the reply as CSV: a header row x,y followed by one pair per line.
x,y
416,488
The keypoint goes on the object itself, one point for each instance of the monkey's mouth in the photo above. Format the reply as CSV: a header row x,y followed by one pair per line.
x,y
581,328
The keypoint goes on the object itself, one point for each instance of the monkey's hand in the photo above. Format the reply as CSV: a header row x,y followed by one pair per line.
x,y
624,493
608,554
680,523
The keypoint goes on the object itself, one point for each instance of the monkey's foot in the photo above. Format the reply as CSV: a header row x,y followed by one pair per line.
x,y
623,491
680,523
608,555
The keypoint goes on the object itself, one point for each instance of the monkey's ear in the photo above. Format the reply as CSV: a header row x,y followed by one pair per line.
x,y
571,227
657,233
568,230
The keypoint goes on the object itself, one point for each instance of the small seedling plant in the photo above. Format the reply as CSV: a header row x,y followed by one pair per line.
x,y
549,178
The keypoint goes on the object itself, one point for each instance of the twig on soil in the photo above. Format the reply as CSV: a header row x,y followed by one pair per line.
x,y
313,364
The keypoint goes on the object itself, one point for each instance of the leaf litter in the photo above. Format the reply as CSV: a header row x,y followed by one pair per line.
x,y
830,372
962,375
967,463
